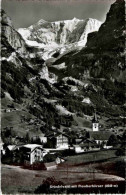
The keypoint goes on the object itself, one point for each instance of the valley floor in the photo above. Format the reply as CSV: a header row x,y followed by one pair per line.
x,y
17,180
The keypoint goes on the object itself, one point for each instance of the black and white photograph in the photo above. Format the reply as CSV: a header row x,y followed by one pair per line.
x,y
63,97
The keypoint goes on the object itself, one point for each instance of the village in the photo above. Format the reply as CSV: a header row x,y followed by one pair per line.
x,y
48,150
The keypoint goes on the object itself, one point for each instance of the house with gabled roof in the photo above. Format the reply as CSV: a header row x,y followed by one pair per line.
x,y
86,145
100,137
32,153
58,140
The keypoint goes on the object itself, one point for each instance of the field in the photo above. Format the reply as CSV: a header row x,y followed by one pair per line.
x,y
18,180
92,156
13,119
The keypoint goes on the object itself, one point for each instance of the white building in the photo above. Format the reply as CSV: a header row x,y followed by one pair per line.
x,y
95,123
58,140
62,141
32,153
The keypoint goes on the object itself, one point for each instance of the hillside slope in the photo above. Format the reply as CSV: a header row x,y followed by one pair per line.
x,y
61,94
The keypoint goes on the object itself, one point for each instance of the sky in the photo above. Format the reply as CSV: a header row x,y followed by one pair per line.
x,y
27,12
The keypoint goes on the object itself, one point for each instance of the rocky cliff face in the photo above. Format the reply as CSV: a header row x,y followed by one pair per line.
x,y
17,67
11,35
111,33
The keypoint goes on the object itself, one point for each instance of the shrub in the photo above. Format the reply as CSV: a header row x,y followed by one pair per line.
x,y
35,166
49,158
68,152
113,141
71,82
6,159
45,187
39,166
120,152
120,168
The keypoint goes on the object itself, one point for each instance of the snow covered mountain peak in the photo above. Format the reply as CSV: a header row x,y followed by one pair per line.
x,y
42,21
75,19
60,32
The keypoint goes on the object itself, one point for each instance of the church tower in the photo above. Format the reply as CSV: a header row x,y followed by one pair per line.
x,y
95,123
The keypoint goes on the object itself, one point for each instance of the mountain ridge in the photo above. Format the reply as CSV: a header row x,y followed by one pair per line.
x,y
93,77
51,30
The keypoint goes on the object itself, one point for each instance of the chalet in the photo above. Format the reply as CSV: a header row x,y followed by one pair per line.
x,y
86,145
89,146
58,140
78,149
29,152
32,153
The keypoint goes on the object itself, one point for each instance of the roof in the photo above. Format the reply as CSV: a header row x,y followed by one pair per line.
x,y
32,146
87,140
39,135
27,147
88,144
11,147
76,145
78,140
56,134
95,119
84,140
100,135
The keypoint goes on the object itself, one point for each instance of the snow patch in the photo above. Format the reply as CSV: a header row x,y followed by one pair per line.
x,y
49,100
86,100
35,44
44,74
24,32
77,82
33,78
63,111
74,88
7,95
13,58
60,66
